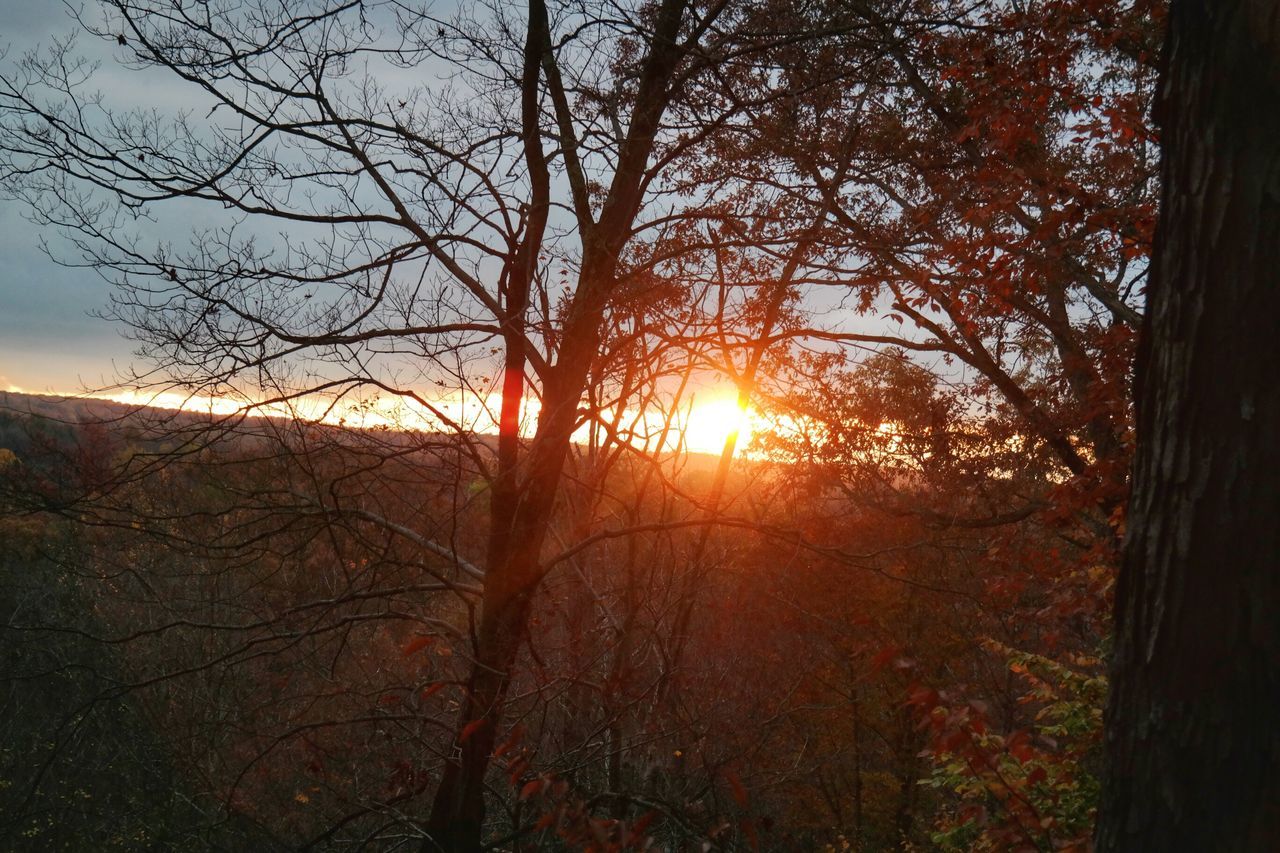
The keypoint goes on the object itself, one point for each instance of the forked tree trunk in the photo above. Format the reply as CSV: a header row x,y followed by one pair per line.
x,y
514,572
1193,726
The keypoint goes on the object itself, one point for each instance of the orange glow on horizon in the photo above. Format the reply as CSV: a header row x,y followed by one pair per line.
x,y
703,427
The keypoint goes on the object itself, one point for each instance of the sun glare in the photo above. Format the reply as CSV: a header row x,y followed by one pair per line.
x,y
703,427
710,424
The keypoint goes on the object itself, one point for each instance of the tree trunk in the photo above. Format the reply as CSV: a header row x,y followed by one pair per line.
x,y
457,812
518,529
1193,745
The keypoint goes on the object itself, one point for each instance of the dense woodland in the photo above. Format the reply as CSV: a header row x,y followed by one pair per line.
x,y
446,570
300,662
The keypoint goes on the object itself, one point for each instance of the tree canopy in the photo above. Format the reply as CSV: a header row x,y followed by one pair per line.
x,y
444,563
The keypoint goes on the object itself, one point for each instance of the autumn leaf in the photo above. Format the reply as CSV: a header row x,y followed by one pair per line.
x,y
1019,746
642,823
417,644
883,657
736,788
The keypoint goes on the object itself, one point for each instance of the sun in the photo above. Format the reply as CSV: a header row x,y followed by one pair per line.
x,y
710,423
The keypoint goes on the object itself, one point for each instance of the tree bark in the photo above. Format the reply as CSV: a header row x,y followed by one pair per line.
x,y
1193,745
528,490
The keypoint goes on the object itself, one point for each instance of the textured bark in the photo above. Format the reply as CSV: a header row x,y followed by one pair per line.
x,y
1192,737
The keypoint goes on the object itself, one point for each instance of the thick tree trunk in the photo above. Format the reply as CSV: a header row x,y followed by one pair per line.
x,y
1192,737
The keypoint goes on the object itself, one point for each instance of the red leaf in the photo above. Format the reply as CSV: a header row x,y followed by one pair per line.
x,y
1019,746
469,729
416,644
923,698
432,690
883,657
531,788
642,823
735,786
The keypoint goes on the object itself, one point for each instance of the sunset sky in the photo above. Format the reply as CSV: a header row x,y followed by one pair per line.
x,y
50,340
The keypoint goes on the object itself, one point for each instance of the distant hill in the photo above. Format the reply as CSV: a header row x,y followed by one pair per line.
x,y
62,408
73,411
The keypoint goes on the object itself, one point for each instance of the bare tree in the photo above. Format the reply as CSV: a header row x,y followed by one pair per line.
x,y
471,235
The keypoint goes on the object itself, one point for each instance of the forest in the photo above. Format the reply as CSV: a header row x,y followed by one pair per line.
x,y
674,425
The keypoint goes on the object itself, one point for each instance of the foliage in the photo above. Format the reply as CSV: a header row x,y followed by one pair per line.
x,y
449,568
1029,789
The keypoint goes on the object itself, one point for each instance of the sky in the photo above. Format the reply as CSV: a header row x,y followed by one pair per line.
x,y
49,340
